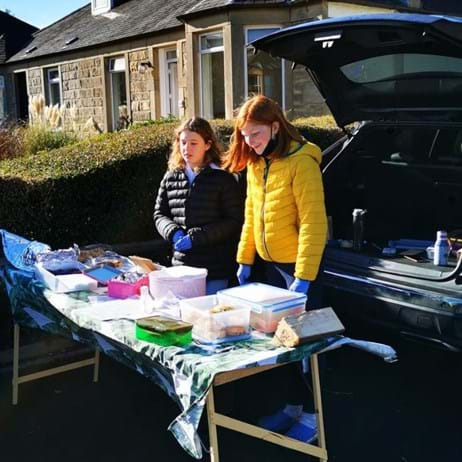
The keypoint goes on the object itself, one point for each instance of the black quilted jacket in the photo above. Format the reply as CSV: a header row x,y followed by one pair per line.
x,y
210,210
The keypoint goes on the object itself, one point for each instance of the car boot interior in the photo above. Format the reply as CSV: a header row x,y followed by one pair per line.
x,y
409,179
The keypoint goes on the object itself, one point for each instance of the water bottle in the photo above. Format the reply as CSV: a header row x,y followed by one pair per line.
x,y
358,229
441,249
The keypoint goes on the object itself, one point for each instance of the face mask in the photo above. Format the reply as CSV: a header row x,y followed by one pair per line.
x,y
271,146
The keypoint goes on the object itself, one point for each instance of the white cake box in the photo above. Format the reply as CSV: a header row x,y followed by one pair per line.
x,y
215,327
268,304
181,281
68,280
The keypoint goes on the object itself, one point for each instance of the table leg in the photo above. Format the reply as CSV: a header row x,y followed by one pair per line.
x,y
214,456
318,402
15,364
96,366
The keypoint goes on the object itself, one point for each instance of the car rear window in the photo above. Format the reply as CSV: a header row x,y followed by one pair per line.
x,y
396,66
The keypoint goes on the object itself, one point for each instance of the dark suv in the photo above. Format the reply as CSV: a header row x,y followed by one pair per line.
x,y
399,78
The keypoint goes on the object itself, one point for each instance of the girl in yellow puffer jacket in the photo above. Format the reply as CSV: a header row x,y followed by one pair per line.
x,y
285,216
286,225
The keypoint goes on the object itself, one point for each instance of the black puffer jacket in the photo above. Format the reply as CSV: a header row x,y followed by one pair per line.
x,y
210,210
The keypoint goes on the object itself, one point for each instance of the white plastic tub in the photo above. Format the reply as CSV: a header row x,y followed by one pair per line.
x,y
181,281
268,304
65,283
210,327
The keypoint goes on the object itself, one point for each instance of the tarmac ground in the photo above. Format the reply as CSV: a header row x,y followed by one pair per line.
x,y
408,411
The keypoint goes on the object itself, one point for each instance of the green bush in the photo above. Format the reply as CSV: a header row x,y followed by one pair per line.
x,y
11,141
101,189
38,138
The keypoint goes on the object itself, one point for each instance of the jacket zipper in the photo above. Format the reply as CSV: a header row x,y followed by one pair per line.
x,y
265,178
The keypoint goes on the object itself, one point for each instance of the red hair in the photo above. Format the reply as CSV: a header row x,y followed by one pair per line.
x,y
261,110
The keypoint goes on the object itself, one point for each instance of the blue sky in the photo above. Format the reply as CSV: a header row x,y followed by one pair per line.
x,y
41,13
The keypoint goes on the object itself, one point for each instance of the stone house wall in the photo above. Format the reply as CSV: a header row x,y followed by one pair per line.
x,y
34,82
83,94
141,85
306,99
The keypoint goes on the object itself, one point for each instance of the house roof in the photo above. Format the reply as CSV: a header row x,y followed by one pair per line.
x,y
14,33
130,19
205,5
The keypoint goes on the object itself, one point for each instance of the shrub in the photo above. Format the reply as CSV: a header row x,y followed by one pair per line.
x,y
101,189
11,141
38,138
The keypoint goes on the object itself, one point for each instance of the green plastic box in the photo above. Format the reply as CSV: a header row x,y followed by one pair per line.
x,y
163,331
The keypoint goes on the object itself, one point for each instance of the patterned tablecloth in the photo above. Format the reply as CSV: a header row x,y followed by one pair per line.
x,y
184,373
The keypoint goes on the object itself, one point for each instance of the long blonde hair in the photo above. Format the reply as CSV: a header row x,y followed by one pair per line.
x,y
201,127
262,110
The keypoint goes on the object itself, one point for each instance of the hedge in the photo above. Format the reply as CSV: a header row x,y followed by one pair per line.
x,y
102,189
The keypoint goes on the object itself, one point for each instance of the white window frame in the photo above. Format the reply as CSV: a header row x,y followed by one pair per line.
x,y
218,49
117,71
54,81
102,9
2,97
283,64
163,66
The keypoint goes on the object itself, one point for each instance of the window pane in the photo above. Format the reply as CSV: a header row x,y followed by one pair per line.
x,y
211,41
117,65
54,94
173,89
254,34
119,100
53,74
171,54
100,3
398,65
213,86
264,75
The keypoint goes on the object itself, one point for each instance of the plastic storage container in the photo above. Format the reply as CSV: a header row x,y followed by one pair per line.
x,y
181,281
64,280
163,331
216,327
121,289
268,304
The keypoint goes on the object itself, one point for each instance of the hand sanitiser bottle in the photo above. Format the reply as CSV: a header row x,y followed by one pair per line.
x,y
441,249
358,228
146,300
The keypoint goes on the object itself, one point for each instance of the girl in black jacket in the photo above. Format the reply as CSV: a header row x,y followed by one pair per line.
x,y
199,206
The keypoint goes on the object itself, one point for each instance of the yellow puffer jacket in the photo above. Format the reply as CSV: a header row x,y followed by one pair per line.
x,y
285,215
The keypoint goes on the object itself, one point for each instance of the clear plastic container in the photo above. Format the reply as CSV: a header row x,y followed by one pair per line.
x,y
215,327
268,304
181,281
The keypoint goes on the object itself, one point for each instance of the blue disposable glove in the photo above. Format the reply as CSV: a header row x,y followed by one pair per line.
x,y
243,273
300,285
184,243
177,236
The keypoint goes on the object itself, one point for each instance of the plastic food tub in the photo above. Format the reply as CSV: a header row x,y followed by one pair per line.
x,y
181,281
215,327
268,304
121,289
